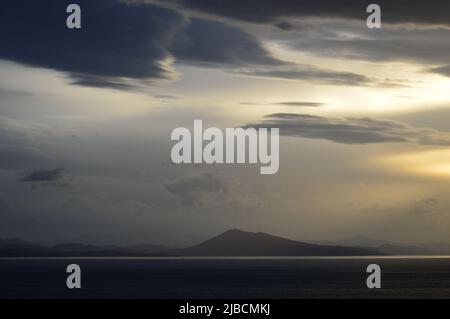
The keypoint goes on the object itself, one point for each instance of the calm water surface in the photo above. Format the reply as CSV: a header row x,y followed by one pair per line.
x,y
405,277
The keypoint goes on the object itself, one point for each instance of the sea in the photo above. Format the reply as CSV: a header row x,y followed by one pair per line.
x,y
226,278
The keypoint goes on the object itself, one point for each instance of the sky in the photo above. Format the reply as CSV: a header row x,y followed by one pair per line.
x,y
86,117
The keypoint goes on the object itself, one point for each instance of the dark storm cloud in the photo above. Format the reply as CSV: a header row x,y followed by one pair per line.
x,y
116,39
43,175
346,38
209,42
351,130
270,11
120,41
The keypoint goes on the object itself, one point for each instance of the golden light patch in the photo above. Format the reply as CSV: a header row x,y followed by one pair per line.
x,y
434,163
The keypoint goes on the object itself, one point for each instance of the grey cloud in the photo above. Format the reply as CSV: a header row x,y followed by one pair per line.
x,y
301,104
443,70
43,175
18,147
285,25
351,130
101,82
312,74
291,103
6,94
424,206
213,189
348,40
191,189
269,11
14,131
165,97
217,44
22,157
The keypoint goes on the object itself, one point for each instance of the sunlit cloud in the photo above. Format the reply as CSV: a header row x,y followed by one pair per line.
x,y
433,163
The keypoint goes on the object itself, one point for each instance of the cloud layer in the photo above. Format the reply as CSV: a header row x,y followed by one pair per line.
x,y
211,189
123,45
116,39
43,175
120,41
269,11
212,43
351,130
312,74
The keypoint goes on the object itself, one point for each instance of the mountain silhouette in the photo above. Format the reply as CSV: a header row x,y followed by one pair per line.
x,y
240,243
232,243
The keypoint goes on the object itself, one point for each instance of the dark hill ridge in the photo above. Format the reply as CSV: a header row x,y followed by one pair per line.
x,y
239,243
230,243
20,248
